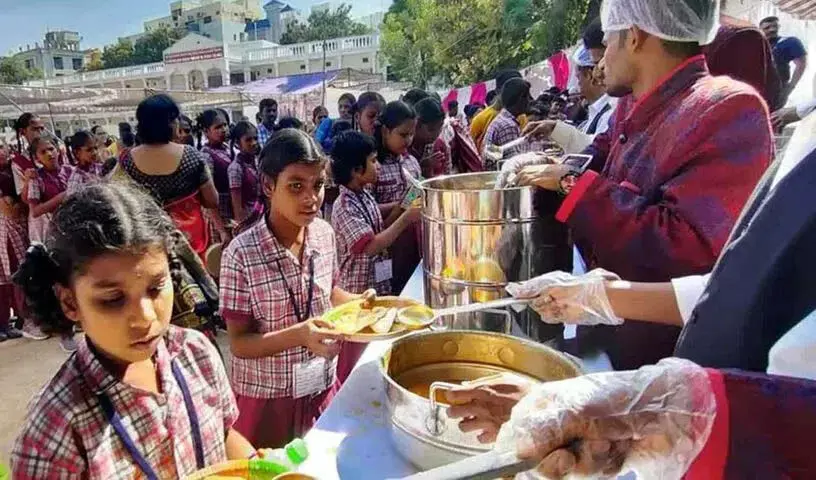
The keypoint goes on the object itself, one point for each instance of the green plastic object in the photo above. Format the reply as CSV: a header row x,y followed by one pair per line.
x,y
4,472
262,469
297,451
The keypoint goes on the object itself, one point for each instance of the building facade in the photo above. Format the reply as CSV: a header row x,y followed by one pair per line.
x,y
59,55
197,63
220,20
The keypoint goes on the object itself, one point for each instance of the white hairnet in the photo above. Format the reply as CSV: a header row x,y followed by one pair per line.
x,y
674,20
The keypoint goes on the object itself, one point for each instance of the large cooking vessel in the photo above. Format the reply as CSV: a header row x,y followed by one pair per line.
x,y
477,238
420,428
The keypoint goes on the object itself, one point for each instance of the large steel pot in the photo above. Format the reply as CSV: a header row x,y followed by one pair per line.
x,y
421,429
477,239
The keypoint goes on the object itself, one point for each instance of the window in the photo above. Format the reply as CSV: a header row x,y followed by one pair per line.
x,y
77,63
303,67
268,70
234,37
58,63
29,64
207,19
328,64
365,59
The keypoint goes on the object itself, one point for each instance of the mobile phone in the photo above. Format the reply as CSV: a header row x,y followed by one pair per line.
x,y
577,161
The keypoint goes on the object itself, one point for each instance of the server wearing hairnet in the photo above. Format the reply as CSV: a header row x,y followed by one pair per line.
x,y
683,153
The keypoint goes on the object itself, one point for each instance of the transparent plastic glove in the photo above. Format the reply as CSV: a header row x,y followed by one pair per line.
x,y
514,165
571,299
653,421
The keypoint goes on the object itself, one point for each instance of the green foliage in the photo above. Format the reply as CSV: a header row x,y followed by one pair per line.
x,y
148,49
13,71
324,24
464,41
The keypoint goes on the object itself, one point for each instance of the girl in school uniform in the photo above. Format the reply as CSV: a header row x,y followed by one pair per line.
x,y
88,168
245,187
213,125
277,278
27,127
366,111
393,133
13,242
44,190
140,398
363,240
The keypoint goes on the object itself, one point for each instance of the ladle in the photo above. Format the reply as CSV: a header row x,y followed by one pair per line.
x,y
423,315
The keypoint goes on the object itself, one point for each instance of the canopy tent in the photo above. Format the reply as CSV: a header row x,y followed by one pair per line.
x,y
802,9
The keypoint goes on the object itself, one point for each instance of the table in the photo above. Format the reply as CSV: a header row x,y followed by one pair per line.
x,y
351,440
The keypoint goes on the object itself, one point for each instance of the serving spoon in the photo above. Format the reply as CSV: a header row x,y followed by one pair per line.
x,y
423,315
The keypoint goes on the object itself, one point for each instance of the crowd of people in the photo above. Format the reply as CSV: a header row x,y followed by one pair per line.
x,y
261,227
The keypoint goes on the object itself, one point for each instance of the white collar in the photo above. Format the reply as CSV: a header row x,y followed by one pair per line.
x,y
599,104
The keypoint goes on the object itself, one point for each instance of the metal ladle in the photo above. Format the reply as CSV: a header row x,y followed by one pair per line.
x,y
422,315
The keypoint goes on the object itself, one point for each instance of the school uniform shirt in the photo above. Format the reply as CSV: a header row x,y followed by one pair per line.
x,y
81,177
13,235
391,184
255,272
356,220
46,186
243,177
66,433
218,159
504,129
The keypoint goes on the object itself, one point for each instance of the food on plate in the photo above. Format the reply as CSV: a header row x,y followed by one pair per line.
x,y
385,322
416,316
355,321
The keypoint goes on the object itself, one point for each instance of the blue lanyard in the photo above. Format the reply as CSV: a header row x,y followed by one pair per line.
x,y
116,422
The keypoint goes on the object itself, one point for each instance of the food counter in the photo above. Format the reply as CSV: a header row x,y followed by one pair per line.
x,y
352,439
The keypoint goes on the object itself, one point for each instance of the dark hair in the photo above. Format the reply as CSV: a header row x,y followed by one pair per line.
x,y
22,122
538,109
287,147
453,104
95,129
491,97
471,109
125,127
267,102
514,91
126,135
32,147
503,76
348,97
340,126
682,49
241,128
351,150
225,114
98,219
368,98
414,95
289,122
155,116
393,115
593,35
769,20
429,111
205,120
80,139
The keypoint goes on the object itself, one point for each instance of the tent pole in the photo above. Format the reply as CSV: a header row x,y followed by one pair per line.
x,y
51,114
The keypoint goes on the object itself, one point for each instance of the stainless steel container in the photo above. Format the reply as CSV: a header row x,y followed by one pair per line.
x,y
477,238
421,430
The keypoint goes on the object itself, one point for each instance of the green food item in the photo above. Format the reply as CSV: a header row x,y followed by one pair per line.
x,y
262,469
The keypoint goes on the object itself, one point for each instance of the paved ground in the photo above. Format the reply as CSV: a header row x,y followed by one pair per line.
x,y
25,366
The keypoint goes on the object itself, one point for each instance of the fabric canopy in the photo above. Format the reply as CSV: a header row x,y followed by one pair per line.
x,y
803,9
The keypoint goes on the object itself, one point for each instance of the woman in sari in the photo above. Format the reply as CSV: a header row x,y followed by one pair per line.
x,y
175,175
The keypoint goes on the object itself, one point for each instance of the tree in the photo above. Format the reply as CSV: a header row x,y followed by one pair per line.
x,y
94,61
118,55
324,24
464,41
13,71
150,48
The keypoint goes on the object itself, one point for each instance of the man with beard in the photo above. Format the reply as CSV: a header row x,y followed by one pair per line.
x,y
683,153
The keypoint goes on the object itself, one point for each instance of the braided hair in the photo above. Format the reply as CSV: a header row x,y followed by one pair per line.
x,y
23,122
96,220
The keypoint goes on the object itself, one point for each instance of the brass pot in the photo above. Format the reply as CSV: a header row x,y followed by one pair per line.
x,y
416,365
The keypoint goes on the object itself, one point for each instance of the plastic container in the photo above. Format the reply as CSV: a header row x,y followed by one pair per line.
x,y
289,458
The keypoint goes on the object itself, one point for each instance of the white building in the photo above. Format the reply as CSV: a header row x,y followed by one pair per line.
x,y
220,20
197,63
59,54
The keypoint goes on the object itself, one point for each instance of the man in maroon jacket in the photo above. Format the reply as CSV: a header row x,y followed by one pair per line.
x,y
683,153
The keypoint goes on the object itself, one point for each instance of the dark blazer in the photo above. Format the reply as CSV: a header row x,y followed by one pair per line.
x,y
764,282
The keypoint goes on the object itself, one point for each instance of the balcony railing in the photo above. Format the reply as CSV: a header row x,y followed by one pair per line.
x,y
295,51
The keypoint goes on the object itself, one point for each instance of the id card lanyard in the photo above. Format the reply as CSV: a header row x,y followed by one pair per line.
x,y
115,421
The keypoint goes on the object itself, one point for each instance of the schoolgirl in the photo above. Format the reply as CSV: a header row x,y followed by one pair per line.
x,y
245,187
46,185
277,278
88,168
13,242
140,398
213,125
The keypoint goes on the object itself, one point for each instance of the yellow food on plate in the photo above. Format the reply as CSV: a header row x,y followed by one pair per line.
x,y
357,320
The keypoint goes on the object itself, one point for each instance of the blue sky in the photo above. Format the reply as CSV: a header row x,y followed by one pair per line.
x,y
101,22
